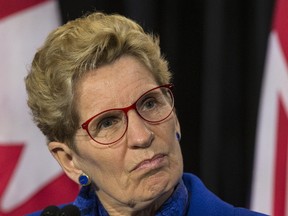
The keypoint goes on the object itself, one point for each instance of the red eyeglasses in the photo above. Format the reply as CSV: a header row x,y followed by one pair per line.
x,y
109,126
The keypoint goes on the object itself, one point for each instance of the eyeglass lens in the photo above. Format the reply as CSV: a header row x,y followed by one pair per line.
x,y
153,106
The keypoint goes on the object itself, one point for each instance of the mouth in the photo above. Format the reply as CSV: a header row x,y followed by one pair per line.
x,y
155,162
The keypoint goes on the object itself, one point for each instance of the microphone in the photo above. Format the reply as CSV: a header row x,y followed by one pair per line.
x,y
69,210
50,211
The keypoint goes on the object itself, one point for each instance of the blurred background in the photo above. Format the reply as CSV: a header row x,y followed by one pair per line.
x,y
216,50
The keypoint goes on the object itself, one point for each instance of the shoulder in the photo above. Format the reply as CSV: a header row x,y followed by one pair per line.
x,y
203,202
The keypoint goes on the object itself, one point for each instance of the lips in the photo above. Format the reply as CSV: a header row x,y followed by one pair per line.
x,y
155,162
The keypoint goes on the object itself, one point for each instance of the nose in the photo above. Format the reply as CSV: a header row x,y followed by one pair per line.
x,y
138,134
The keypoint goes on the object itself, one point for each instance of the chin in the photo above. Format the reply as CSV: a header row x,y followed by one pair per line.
x,y
159,185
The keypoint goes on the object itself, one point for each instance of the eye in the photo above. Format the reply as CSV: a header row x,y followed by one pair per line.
x,y
104,124
107,123
149,103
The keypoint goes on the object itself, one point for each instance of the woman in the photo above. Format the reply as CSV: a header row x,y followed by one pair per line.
x,y
100,92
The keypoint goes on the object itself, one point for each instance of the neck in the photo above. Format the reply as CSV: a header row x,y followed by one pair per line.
x,y
137,209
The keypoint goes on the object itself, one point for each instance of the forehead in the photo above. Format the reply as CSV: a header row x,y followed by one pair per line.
x,y
114,85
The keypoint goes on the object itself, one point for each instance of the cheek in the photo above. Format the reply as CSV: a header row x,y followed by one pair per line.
x,y
174,145
103,165
97,162
177,157
168,139
168,130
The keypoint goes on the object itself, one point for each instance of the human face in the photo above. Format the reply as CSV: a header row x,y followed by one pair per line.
x,y
144,166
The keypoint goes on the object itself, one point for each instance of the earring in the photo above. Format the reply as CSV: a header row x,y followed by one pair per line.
x,y
84,179
178,136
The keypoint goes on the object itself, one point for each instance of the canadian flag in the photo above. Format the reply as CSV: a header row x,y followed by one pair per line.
x,y
30,179
270,191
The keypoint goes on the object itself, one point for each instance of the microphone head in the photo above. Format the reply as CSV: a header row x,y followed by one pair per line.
x,y
70,210
50,211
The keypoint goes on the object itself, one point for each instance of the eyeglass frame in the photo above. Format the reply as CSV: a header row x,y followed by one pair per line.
x,y
133,106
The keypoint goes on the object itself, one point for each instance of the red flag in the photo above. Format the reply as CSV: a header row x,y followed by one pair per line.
x,y
30,179
270,183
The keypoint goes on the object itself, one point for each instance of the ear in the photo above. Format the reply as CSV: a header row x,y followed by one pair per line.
x,y
66,158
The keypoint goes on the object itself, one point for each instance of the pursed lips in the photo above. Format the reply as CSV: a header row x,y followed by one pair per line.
x,y
155,161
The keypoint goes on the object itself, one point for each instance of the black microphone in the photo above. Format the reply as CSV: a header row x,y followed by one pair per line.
x,y
50,211
69,210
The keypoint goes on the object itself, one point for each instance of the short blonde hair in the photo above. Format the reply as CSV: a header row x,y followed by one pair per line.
x,y
78,47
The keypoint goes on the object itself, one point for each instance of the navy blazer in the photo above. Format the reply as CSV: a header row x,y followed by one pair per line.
x,y
204,203
190,198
